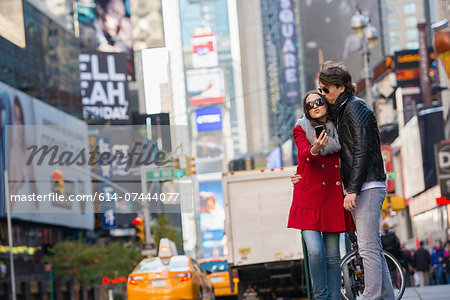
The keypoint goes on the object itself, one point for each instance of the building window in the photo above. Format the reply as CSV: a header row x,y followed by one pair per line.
x,y
392,10
409,8
412,45
411,21
412,34
393,22
394,35
395,47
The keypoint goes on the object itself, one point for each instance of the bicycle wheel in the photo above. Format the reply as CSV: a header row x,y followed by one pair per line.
x,y
352,286
397,275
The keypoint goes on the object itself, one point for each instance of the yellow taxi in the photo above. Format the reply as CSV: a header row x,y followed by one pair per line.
x,y
219,276
169,277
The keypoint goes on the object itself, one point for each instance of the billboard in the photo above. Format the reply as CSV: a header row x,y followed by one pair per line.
x,y
386,153
288,57
442,156
412,162
212,218
26,123
208,118
105,26
104,88
147,14
11,22
204,50
407,67
205,86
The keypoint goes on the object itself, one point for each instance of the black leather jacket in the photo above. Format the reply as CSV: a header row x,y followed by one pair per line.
x,y
360,154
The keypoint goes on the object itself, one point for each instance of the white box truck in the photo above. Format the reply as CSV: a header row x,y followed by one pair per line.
x,y
263,254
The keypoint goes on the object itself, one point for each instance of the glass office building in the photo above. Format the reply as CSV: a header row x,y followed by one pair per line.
x,y
47,68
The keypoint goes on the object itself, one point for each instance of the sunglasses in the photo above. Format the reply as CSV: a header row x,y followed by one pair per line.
x,y
324,90
318,102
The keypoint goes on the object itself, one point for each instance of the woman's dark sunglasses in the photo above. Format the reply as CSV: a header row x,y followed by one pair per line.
x,y
318,102
324,90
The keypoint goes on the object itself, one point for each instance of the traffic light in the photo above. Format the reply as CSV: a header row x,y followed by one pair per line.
x,y
138,222
58,182
176,163
392,203
177,171
190,165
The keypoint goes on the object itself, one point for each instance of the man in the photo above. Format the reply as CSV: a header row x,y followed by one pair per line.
x,y
421,263
405,261
390,242
362,172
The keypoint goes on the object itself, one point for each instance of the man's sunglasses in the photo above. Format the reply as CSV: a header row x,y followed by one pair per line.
x,y
324,90
318,102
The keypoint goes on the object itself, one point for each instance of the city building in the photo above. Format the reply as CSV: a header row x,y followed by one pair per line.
x,y
402,19
253,75
47,66
39,76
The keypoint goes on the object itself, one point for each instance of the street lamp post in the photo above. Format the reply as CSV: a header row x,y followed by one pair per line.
x,y
361,26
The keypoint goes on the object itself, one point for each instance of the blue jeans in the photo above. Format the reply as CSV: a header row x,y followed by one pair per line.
x,y
447,276
324,261
376,272
437,274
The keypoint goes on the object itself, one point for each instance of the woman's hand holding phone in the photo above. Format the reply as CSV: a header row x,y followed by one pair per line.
x,y
319,143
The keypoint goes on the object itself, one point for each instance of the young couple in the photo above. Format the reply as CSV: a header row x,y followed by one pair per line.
x,y
347,152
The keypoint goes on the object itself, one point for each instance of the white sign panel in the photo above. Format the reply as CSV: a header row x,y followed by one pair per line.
x,y
411,152
205,86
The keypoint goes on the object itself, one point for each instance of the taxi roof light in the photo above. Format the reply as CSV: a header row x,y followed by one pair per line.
x,y
167,248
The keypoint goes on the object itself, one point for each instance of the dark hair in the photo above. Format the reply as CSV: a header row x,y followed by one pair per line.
x,y
337,74
19,105
421,243
314,122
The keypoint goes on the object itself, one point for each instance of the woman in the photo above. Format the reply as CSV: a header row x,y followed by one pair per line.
x,y
22,179
317,205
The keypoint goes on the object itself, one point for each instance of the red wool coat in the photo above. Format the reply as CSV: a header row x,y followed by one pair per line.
x,y
317,202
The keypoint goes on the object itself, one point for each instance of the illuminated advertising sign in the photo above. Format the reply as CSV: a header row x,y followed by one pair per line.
x,y
205,86
386,153
29,124
407,67
289,57
105,25
442,157
204,51
208,118
104,88
212,217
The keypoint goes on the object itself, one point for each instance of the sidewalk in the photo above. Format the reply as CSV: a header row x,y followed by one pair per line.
x,y
434,292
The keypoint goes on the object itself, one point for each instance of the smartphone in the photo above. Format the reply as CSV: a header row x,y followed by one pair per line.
x,y
319,130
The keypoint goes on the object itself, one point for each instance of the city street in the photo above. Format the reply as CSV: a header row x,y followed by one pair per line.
x,y
435,292
230,149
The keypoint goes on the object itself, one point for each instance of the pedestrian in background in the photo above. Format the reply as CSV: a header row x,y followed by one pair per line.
x,y
437,261
447,262
421,264
317,200
362,172
405,261
390,242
